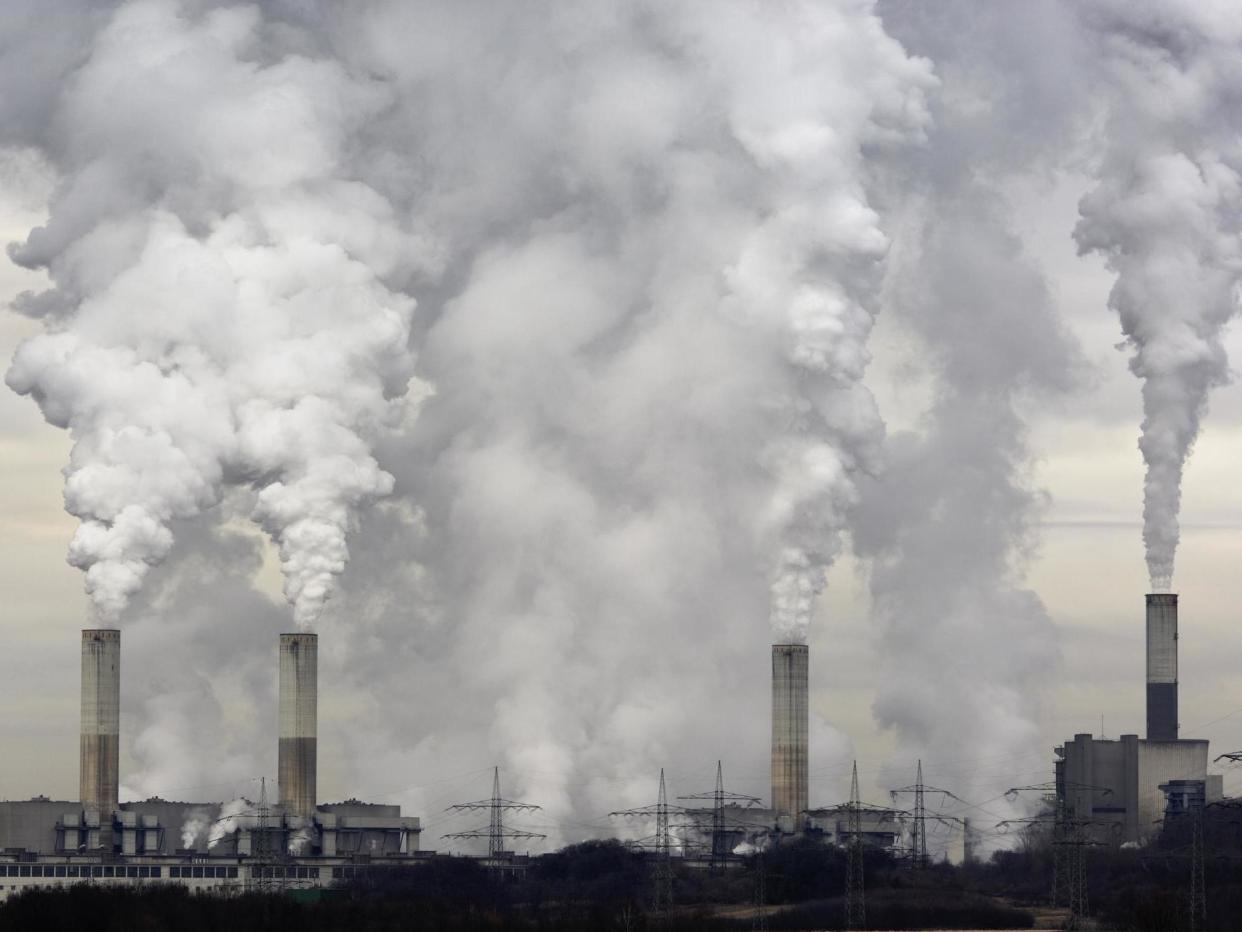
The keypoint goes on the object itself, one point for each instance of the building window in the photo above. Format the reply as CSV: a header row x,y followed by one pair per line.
x,y
73,870
157,872
131,872
96,871
25,870
198,872
313,872
12,870
36,871
232,872
110,871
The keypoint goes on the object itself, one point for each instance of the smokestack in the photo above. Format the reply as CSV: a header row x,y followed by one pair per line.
x,y
789,731
100,749
299,703
1161,667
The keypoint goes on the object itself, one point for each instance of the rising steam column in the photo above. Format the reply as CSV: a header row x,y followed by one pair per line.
x,y
100,748
1161,666
299,702
789,734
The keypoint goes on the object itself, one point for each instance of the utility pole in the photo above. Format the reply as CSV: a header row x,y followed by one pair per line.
x,y
918,839
263,856
496,832
855,896
661,846
759,920
722,826
1069,843
1198,888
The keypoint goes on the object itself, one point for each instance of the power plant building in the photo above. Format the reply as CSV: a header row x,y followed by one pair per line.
x,y
204,845
1121,786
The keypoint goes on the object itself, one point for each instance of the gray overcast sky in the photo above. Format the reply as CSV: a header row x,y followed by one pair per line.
x,y
450,643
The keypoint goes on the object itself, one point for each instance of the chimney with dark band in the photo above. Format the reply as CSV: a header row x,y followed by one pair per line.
x,y
1161,666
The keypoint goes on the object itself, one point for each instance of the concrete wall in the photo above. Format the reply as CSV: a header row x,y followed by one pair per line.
x,y
299,704
1132,770
1161,762
789,734
31,824
100,749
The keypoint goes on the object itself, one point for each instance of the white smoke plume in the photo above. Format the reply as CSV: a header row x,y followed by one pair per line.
x,y
967,651
235,814
647,417
223,311
299,841
1166,216
197,823
646,264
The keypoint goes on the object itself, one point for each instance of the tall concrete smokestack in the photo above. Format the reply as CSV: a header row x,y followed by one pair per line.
x,y
299,712
789,732
1161,666
99,754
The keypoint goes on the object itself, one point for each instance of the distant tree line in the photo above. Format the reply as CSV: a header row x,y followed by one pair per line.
x,y
605,886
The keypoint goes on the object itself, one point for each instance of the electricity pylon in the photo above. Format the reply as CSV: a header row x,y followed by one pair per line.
x,y
722,826
1069,843
661,845
855,895
918,840
496,832
1198,889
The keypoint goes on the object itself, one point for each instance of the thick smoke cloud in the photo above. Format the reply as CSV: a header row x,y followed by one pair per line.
x,y
222,311
966,651
645,266
1167,217
646,358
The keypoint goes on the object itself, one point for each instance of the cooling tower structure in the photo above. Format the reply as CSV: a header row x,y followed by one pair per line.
x,y
100,749
299,702
789,734
1161,666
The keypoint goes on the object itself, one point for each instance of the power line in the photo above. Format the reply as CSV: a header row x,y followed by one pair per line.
x,y
496,832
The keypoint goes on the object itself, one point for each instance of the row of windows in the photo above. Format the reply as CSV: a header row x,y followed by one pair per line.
x,y
292,873
202,870
79,870
212,871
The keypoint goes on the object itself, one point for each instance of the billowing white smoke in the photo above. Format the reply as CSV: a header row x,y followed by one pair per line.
x,y
235,814
966,651
641,241
1167,217
196,824
222,310
647,416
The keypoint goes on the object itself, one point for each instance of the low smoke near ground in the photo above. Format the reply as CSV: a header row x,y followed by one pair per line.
x,y
530,347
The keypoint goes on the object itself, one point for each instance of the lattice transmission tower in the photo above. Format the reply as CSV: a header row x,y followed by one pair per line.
x,y
722,826
1070,841
1198,887
855,894
918,839
496,832
660,845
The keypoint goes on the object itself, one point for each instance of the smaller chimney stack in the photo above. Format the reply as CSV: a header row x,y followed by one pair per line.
x,y
299,710
1161,666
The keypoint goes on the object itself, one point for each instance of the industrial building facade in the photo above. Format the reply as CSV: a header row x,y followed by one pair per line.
x,y
202,845
1119,790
